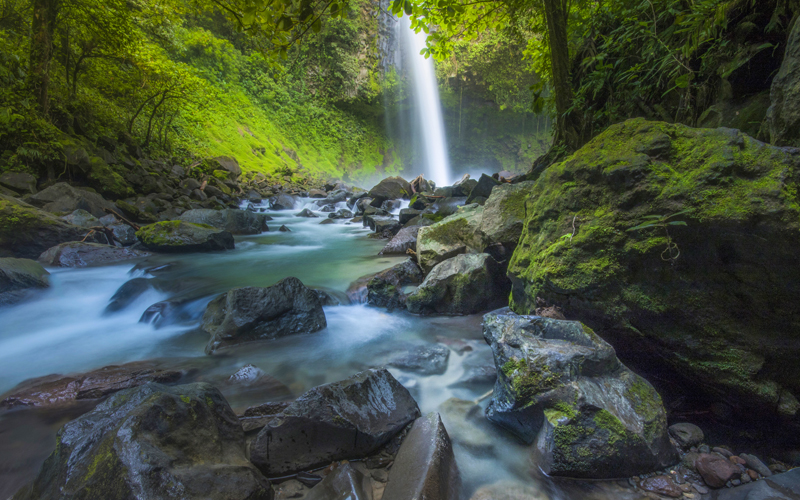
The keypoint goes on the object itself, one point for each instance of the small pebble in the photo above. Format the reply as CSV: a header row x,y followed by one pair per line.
x,y
736,482
700,489
722,451
689,495
753,474
704,449
745,478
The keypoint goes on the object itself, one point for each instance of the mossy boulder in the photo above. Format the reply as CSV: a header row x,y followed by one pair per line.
x,y
146,441
18,277
181,236
108,179
231,220
561,388
63,198
723,315
391,188
465,284
453,235
386,288
82,254
26,231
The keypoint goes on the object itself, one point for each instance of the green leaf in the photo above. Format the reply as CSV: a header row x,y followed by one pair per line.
x,y
407,8
677,223
642,226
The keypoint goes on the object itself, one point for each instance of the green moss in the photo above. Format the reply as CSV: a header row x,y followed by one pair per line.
x,y
220,174
186,399
608,422
529,380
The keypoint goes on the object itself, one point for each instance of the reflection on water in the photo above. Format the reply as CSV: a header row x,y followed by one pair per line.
x,y
65,330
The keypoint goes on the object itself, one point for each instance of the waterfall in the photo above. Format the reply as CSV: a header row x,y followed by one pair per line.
x,y
428,109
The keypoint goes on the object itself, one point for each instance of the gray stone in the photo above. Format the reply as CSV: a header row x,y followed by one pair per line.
x,y
386,288
686,434
229,165
250,313
306,213
63,198
756,464
342,420
403,241
282,202
407,214
391,188
232,220
125,234
560,386
783,117
343,482
19,182
422,359
784,486
425,466
19,277
483,189
77,254
181,236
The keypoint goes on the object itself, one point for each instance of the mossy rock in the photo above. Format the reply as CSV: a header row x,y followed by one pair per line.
x,y
722,317
26,231
107,180
180,236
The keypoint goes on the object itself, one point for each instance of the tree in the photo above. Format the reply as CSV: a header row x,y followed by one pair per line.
x,y
43,26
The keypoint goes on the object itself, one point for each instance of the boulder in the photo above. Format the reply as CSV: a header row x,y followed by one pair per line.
x,y
503,218
452,236
425,466
77,254
282,202
716,470
722,313
334,197
407,214
783,119
82,218
63,198
464,187
386,226
127,293
146,441
231,220
686,434
317,193
251,313
483,189
306,213
464,284
20,182
561,388
343,482
125,234
391,188
18,277
26,231
385,289
403,241
342,213
778,487
756,464
348,419
430,359
228,164
180,236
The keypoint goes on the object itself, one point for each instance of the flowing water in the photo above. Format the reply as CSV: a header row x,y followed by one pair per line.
x,y
428,109
65,330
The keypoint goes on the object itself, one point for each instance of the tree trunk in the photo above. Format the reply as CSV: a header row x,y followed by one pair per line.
x,y
45,13
567,126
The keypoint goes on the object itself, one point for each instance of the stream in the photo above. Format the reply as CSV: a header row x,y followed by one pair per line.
x,y
65,330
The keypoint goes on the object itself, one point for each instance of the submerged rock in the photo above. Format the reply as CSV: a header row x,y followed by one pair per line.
x,y
19,277
306,213
562,388
230,220
342,420
723,313
425,466
77,254
180,236
251,313
424,359
147,441
465,284
385,289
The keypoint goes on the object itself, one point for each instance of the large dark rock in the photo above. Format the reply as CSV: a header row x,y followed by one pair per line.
x,y
342,420
716,470
723,314
18,277
19,182
250,313
282,202
127,293
82,218
483,189
77,254
63,198
425,466
26,231
228,164
180,236
783,118
391,188
403,241
562,388
465,284
385,289
230,220
152,442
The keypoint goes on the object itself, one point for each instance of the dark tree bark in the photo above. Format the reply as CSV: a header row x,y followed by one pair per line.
x,y
567,124
43,25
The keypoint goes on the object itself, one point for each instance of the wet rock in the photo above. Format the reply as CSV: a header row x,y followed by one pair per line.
x,y
19,278
169,312
256,418
63,198
26,231
686,434
467,426
19,182
125,234
251,313
343,482
230,220
180,236
82,218
282,202
403,241
509,490
483,189
306,213
59,390
385,289
335,196
756,464
407,214
716,470
341,214
346,419
388,227
662,485
145,441
423,359
452,236
425,466
562,387
328,297
782,119
464,284
479,370
391,188
284,229
77,254
127,294
317,193
328,208
291,489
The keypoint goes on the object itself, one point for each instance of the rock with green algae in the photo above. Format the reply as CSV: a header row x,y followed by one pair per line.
x,y
231,220
386,288
465,284
150,442
81,254
562,389
724,313
180,236
26,231
494,227
18,277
